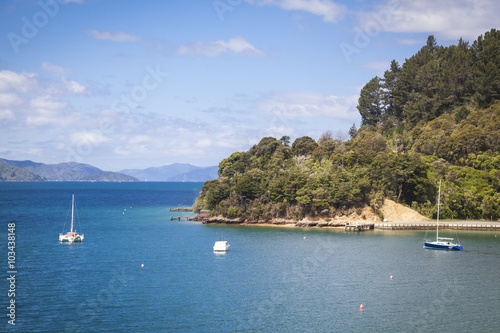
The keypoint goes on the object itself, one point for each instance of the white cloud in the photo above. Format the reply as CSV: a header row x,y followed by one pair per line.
x,y
113,36
88,138
9,100
140,139
448,19
48,67
157,139
75,87
409,41
6,114
70,86
212,49
379,66
45,110
308,104
18,82
328,10
28,83
32,101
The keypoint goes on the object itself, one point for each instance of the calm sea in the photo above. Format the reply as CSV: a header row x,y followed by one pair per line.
x,y
271,280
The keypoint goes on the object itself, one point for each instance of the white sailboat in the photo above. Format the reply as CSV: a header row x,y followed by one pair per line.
x,y
441,243
72,236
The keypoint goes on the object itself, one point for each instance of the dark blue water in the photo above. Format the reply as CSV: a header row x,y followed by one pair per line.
x,y
271,280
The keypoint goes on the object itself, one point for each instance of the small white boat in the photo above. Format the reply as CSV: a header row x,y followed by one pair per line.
x,y
72,236
221,246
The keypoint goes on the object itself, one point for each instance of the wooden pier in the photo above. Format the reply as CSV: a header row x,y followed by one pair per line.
x,y
180,218
182,209
358,226
459,225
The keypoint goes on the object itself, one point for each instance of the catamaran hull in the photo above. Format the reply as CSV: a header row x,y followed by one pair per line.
x,y
64,239
450,247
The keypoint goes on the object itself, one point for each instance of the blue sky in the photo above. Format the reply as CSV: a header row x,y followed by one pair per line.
x,y
134,84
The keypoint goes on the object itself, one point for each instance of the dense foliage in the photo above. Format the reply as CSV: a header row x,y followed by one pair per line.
x,y
435,118
13,173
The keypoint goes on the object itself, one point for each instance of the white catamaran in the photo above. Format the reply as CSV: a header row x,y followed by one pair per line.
x,y
441,243
72,236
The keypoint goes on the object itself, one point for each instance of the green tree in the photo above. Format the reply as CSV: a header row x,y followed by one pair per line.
x,y
353,131
370,101
247,187
486,53
461,114
285,140
431,43
304,146
391,76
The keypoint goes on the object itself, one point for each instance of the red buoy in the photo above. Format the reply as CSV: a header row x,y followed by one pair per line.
x,y
142,265
391,277
361,307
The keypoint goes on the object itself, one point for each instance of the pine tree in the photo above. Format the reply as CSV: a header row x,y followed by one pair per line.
x,y
353,131
391,76
487,68
370,102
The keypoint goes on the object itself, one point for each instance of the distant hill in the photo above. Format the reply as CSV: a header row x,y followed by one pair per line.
x,y
11,170
197,175
108,176
176,172
71,171
13,173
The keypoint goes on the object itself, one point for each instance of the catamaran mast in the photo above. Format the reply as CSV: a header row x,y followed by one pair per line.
x,y
437,221
72,210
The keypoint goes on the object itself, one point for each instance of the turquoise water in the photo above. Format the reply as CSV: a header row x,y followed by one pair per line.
x,y
271,280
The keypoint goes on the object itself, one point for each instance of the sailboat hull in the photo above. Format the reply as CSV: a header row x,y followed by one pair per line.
x,y
71,238
443,246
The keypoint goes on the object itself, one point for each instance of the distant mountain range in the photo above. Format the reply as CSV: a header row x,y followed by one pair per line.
x,y
72,171
32,171
176,172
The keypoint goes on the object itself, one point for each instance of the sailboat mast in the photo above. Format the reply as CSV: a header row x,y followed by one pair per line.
x,y
72,211
437,221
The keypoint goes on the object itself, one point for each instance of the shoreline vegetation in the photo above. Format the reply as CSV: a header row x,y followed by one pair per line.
x,y
434,118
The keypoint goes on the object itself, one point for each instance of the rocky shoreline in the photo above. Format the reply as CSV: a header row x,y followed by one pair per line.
x,y
341,224
392,211
304,223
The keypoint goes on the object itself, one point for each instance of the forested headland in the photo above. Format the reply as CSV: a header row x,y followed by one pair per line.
x,y
435,117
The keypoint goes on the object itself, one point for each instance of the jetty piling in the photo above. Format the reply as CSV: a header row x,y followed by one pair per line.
x,y
180,218
462,225
356,226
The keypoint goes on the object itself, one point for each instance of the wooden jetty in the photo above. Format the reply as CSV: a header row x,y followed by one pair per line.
x,y
458,225
180,218
182,209
358,226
